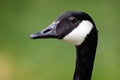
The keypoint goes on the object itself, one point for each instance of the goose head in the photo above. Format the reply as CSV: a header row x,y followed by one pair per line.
x,y
71,26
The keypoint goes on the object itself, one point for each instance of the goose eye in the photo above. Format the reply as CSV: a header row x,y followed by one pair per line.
x,y
72,19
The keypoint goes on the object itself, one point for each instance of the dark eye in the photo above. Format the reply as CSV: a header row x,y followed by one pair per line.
x,y
72,19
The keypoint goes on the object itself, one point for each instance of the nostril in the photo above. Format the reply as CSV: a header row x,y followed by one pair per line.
x,y
46,31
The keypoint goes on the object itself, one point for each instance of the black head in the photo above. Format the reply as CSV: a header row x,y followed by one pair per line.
x,y
70,26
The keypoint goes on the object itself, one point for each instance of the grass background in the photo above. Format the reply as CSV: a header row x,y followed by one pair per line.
x,y
25,59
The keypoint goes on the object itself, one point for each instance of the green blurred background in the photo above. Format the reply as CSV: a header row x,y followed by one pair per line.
x,y
25,59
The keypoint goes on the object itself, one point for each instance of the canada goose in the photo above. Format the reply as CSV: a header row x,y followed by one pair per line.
x,y
79,29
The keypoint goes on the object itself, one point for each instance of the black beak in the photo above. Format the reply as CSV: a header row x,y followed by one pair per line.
x,y
49,32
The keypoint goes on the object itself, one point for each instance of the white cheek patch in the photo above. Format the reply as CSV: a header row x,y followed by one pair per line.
x,y
78,35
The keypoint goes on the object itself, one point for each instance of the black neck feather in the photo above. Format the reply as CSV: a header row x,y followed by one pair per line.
x,y
85,54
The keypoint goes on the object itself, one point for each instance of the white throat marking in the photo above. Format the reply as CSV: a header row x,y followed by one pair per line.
x,y
78,35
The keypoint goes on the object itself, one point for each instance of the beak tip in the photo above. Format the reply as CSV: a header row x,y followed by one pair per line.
x,y
32,36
